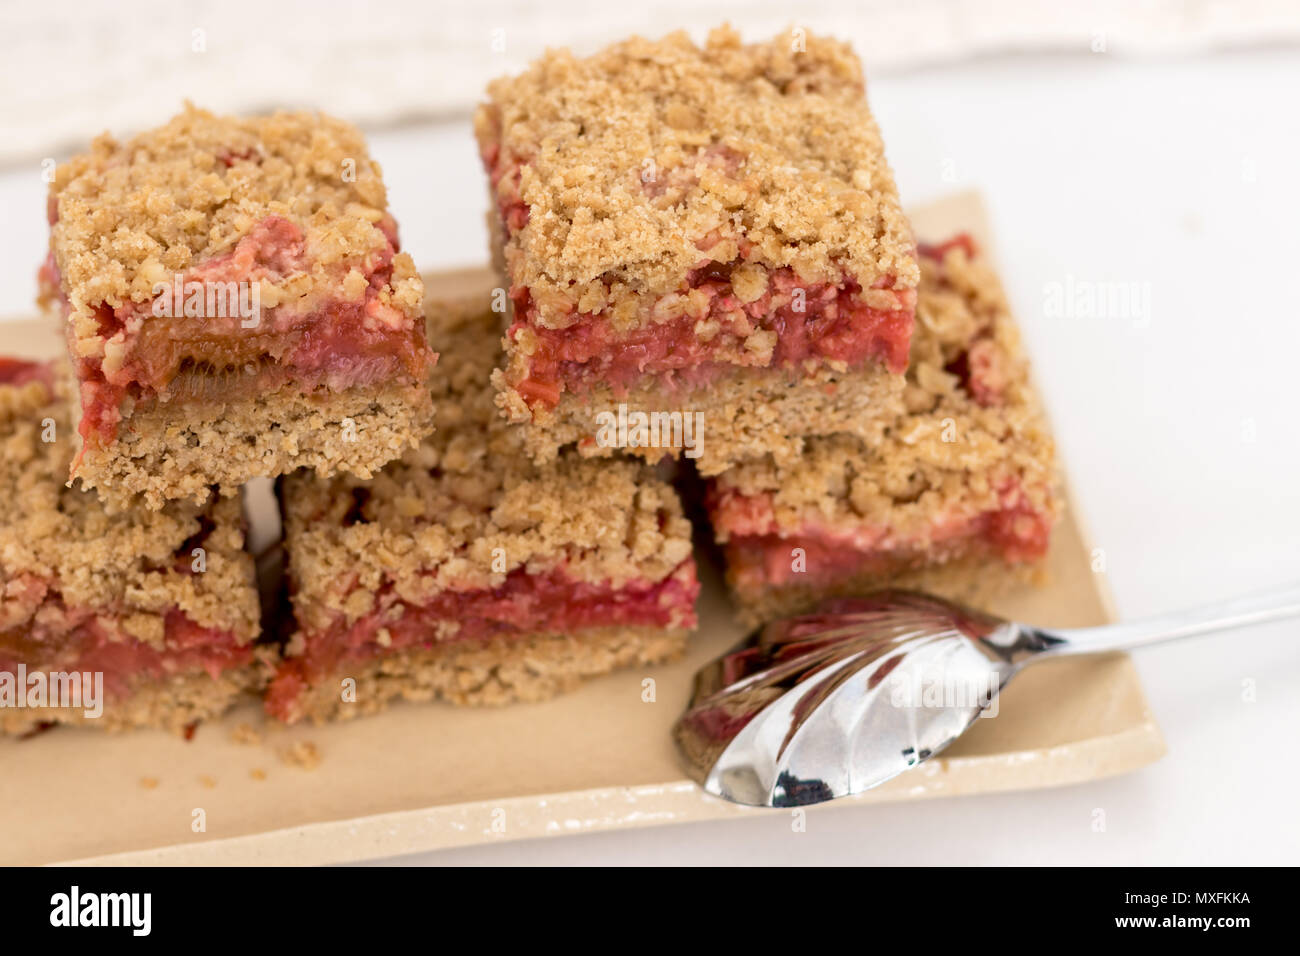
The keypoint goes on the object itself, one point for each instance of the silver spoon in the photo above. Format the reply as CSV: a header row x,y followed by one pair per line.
x,y
843,698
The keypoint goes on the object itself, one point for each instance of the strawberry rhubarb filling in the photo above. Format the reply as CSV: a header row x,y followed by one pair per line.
x,y
762,553
244,324
18,372
61,639
525,604
706,329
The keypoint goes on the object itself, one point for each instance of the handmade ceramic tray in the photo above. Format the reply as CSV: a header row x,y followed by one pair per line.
x,y
423,777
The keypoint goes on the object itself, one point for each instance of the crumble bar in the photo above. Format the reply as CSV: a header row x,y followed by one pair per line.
x,y
464,572
959,497
162,603
702,229
236,305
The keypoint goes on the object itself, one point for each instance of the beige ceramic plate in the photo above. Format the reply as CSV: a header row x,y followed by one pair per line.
x,y
424,777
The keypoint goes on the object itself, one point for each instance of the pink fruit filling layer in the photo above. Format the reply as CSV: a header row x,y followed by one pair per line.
x,y
819,322
761,555
525,604
234,353
21,371
58,638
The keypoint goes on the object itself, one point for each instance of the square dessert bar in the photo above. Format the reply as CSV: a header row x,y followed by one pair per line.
x,y
959,497
707,230
466,573
149,616
237,305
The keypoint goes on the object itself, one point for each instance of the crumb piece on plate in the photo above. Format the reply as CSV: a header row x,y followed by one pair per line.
x,y
301,754
245,733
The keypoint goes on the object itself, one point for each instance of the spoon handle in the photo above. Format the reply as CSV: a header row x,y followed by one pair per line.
x,y
1271,605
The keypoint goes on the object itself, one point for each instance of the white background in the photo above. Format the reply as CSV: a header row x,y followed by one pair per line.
x,y
1180,429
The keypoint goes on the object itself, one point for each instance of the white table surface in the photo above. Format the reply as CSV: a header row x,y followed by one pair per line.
x,y
1180,428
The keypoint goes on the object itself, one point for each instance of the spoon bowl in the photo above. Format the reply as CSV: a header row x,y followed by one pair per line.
x,y
862,689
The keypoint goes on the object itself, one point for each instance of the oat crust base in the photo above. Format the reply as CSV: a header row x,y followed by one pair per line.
x,y
173,705
975,580
227,445
490,673
745,417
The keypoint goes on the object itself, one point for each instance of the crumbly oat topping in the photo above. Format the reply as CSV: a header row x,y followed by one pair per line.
x,y
967,382
467,507
127,564
621,172
128,215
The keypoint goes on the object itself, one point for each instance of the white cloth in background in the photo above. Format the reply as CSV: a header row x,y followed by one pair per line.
x,y
73,68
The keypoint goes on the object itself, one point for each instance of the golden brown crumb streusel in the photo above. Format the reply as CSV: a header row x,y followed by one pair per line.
x,y
642,160
378,567
245,734
129,214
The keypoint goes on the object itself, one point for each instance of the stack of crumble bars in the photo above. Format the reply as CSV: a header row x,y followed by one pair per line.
x,y
685,233
422,563
469,573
